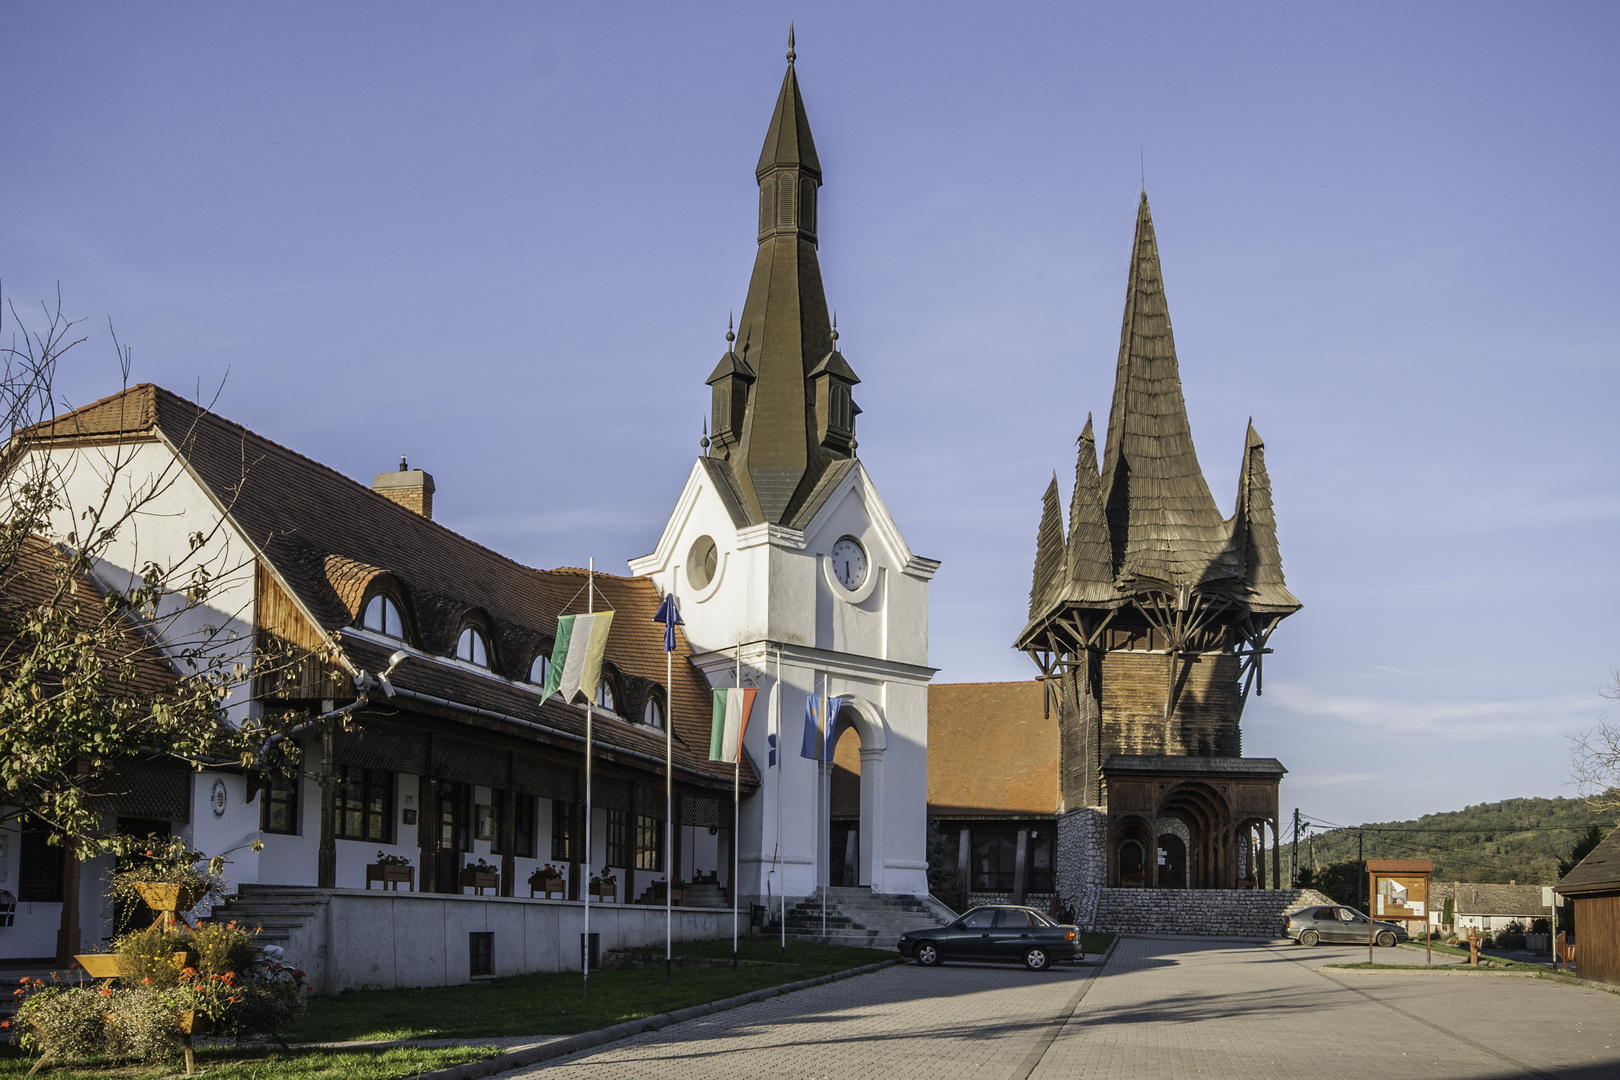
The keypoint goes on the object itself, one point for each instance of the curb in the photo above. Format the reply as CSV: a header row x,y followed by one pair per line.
x,y
573,1044
1475,973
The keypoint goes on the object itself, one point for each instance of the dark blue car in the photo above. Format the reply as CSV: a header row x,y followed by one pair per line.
x,y
995,932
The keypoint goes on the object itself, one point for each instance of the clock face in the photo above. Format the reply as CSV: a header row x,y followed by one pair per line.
x,y
849,562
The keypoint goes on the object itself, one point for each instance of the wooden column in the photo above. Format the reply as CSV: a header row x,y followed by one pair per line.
x,y
576,842
964,864
630,871
1260,859
508,811
427,823
673,855
1020,866
1276,856
326,856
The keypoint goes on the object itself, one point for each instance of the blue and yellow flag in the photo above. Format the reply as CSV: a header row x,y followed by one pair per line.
x,y
820,713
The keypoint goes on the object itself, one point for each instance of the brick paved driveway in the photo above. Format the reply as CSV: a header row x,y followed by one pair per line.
x,y
1161,1008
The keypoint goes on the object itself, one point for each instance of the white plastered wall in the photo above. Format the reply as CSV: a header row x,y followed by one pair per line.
x,y
774,591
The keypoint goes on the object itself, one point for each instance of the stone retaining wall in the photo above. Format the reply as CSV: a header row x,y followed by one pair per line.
x,y
1202,912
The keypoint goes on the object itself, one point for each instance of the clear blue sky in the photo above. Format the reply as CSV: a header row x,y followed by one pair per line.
x,y
504,239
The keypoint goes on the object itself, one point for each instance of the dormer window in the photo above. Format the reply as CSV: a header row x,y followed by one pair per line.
x,y
472,647
540,669
606,699
382,615
653,714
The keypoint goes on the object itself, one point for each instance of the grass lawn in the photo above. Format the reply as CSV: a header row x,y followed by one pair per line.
x,y
234,1063
550,1004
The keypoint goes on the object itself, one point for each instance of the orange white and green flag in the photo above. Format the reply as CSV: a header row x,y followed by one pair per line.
x,y
731,709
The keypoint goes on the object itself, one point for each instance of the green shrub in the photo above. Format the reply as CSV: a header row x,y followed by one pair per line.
x,y
140,1026
1511,936
264,1010
222,949
147,956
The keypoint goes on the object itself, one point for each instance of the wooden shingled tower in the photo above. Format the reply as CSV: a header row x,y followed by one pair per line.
x,y
1149,618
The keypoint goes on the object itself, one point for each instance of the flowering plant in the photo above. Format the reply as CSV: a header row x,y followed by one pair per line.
x,y
545,873
393,860
483,867
604,878
210,995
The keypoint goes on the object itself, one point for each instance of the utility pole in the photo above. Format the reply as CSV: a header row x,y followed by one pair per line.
x,y
1362,859
1293,856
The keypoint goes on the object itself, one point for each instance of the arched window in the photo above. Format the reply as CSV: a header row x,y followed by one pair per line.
x,y
605,697
540,669
382,615
653,714
472,647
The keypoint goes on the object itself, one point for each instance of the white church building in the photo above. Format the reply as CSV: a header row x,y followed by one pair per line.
x,y
783,557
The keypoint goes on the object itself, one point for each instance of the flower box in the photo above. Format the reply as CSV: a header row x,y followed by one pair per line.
x,y
167,898
478,881
549,885
659,888
391,874
608,894
101,965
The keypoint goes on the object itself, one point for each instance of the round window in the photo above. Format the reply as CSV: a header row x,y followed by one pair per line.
x,y
702,562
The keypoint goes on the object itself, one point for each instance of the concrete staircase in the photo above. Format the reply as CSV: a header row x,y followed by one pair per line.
x,y
281,913
707,892
858,916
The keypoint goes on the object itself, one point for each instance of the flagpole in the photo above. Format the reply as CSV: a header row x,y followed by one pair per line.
x,y
823,782
590,701
781,768
736,821
669,793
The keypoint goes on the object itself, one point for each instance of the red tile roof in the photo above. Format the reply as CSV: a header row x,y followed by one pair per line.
x,y
991,751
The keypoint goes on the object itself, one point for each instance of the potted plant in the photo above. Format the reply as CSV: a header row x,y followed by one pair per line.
x,y
168,880
392,870
605,886
480,875
548,879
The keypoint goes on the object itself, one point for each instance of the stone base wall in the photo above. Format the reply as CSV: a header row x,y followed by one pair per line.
x,y
1202,912
1082,861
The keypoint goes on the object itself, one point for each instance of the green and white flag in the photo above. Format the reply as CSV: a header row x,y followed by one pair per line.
x,y
576,659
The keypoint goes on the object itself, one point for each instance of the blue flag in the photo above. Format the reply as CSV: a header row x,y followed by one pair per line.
x,y
670,616
820,713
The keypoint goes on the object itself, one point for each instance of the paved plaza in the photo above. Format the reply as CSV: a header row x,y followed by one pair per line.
x,y
1159,1008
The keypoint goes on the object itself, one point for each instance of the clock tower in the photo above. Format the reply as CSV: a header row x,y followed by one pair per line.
x,y
786,563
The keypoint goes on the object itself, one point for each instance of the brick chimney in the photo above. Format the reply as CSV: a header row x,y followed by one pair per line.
x,y
411,488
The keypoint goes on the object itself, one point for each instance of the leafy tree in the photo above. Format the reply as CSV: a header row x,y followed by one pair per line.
x,y
97,664
1583,847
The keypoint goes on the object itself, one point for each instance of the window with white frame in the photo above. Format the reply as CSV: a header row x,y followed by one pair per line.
x,y
472,647
382,615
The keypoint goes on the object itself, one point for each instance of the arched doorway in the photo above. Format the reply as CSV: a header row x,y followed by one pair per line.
x,y
855,807
844,826
1130,853
1172,862
1209,856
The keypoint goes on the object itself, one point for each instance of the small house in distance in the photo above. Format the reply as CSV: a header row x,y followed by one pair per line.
x,y
1593,888
1485,907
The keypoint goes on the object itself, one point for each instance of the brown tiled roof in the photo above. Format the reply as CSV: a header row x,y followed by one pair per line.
x,y
328,537
1598,872
991,751
31,581
1475,898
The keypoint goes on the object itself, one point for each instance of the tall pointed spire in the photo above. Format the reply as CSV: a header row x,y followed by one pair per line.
x,y
791,397
1089,568
1048,550
1255,527
1162,518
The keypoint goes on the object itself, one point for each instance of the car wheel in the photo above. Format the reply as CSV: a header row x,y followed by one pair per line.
x,y
1309,938
926,953
1037,959
1386,939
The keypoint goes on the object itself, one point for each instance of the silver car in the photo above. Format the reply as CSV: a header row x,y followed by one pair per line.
x,y
1311,925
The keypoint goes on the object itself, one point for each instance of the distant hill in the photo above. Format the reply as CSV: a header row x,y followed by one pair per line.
x,y
1513,840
